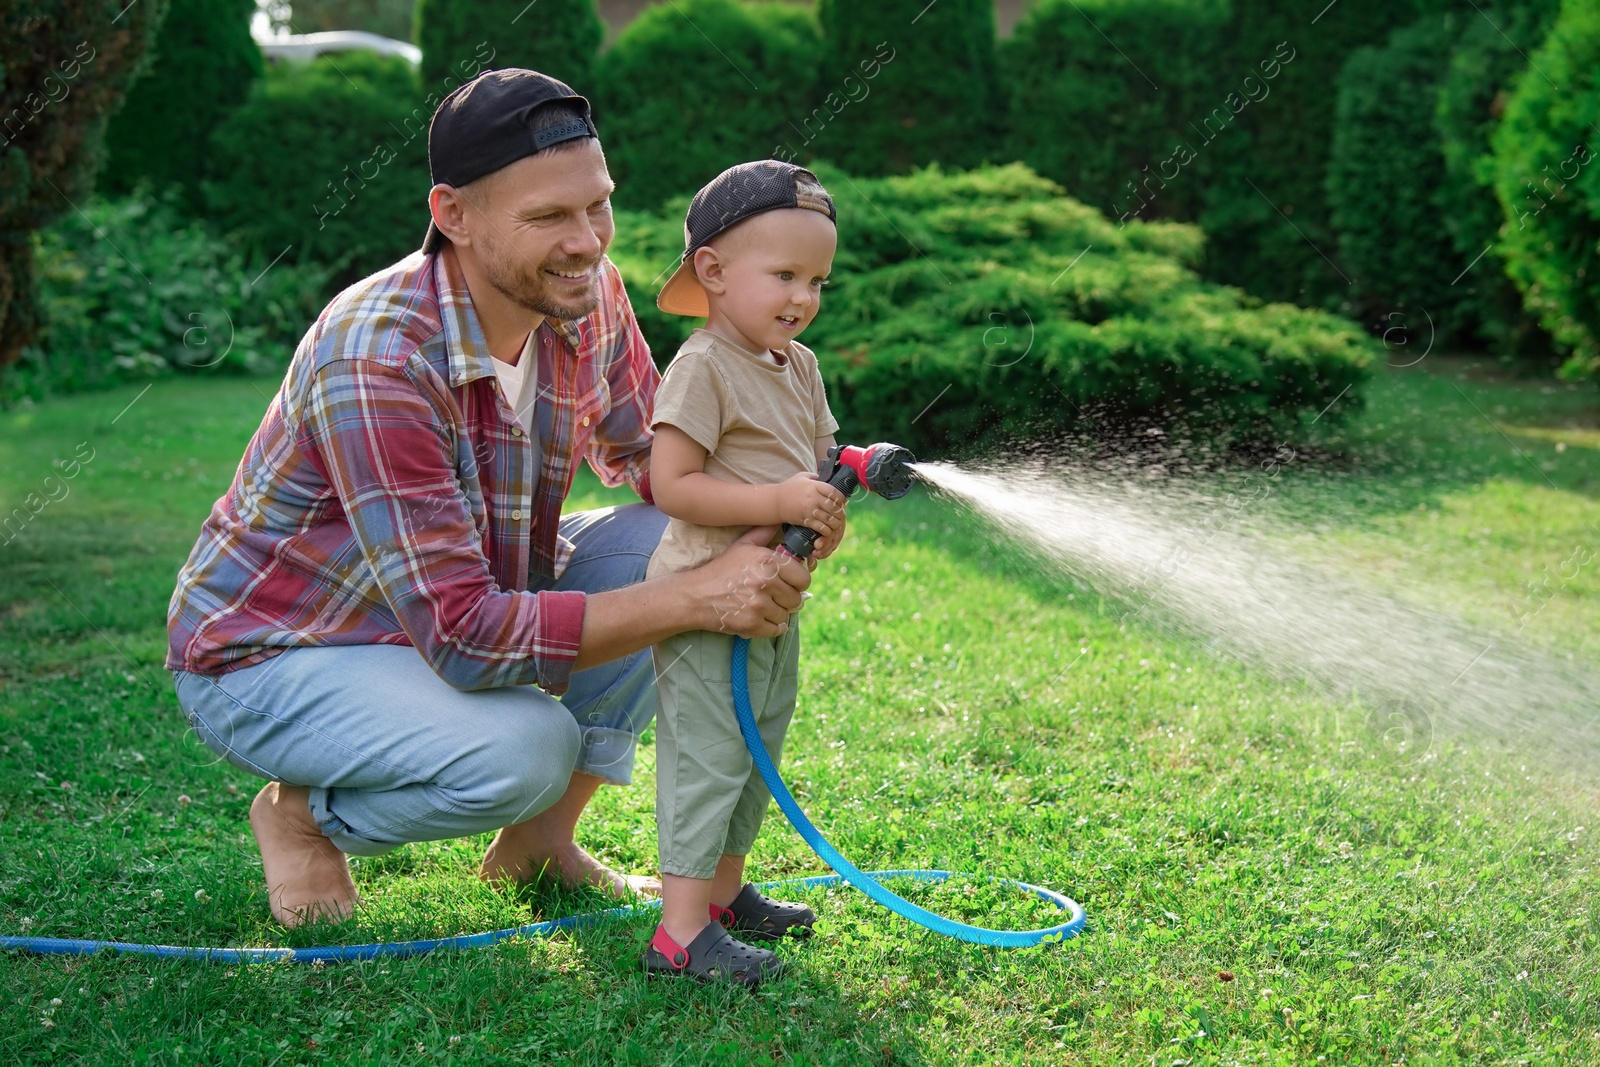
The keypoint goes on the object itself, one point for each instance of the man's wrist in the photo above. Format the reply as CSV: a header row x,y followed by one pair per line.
x,y
686,607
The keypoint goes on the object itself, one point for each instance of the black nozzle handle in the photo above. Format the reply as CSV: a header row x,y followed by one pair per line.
x,y
801,541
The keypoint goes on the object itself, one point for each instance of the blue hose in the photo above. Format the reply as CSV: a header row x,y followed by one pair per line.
x,y
848,873
864,881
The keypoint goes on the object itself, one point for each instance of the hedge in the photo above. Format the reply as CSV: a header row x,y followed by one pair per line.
x,y
967,307
1385,168
328,163
1088,116
204,64
555,37
675,109
910,83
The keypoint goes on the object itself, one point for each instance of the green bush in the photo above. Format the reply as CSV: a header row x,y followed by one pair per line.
x,y
1384,171
204,64
1548,181
555,37
327,163
904,83
1085,116
646,250
751,85
64,65
1471,99
1267,214
966,306
184,302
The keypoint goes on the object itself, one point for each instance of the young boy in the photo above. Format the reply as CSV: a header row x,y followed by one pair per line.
x,y
741,421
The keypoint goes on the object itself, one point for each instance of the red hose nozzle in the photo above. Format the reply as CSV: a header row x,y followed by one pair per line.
x,y
882,468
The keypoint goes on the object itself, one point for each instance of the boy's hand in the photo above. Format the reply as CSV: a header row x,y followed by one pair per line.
x,y
806,500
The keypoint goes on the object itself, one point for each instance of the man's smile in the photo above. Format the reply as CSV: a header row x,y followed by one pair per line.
x,y
573,277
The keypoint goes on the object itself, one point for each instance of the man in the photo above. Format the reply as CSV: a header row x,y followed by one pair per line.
x,y
372,603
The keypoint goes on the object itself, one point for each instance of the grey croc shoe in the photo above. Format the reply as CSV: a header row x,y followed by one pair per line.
x,y
712,956
762,919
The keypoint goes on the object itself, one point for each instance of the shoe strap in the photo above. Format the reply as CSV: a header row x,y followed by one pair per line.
x,y
725,916
675,953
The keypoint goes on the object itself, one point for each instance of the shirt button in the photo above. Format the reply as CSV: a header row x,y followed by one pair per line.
x,y
516,431
586,420
516,516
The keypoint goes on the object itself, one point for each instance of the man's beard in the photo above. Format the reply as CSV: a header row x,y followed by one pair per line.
x,y
529,289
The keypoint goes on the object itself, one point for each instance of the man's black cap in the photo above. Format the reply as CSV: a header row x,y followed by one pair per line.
x,y
727,200
488,123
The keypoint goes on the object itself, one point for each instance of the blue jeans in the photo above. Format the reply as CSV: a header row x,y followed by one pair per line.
x,y
394,754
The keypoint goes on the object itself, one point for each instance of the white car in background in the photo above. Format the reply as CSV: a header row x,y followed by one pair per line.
x,y
301,47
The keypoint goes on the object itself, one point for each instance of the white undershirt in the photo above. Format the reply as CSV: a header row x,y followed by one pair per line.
x,y
520,383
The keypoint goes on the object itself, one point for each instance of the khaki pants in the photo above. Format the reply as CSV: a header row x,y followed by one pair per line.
x,y
710,799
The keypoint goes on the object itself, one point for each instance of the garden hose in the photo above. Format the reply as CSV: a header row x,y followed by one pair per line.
x,y
868,882
882,468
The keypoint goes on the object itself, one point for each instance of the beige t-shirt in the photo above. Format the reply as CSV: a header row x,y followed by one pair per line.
x,y
758,420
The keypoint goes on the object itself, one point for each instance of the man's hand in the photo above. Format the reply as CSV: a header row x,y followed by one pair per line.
x,y
828,544
751,590
806,500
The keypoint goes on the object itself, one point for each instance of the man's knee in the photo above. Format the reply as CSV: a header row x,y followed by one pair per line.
x,y
612,546
525,770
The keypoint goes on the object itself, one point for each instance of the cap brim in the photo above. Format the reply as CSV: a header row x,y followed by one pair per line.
x,y
433,240
683,295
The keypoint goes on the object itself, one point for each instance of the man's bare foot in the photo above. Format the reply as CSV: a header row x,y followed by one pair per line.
x,y
518,854
307,876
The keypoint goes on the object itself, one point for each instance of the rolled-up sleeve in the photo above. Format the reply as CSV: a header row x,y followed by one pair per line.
x,y
387,450
619,451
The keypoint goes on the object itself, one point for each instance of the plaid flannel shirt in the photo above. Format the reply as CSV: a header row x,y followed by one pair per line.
x,y
389,496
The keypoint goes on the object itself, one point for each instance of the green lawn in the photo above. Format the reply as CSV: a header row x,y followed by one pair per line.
x,y
1265,881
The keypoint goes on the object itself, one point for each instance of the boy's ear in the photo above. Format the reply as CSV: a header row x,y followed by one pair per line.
x,y
708,268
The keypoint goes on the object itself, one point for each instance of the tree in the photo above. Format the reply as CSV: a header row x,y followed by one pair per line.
x,y
1268,218
1472,95
201,69
1547,177
556,37
64,67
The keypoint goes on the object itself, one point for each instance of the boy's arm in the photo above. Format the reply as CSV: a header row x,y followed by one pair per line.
x,y
683,490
